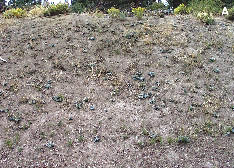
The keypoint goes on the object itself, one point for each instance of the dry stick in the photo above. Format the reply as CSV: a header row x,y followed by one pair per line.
x,y
2,59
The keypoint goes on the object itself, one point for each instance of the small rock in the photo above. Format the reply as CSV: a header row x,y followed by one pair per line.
x,y
96,139
92,108
152,101
79,105
86,99
47,86
212,59
85,51
15,119
144,95
151,74
216,70
58,98
50,144
92,38
156,107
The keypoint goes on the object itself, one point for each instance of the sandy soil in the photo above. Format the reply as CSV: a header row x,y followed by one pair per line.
x,y
87,91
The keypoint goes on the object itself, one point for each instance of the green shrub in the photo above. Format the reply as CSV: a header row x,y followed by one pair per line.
x,y
78,7
231,14
181,9
113,12
208,6
37,11
206,18
15,12
156,6
138,12
60,8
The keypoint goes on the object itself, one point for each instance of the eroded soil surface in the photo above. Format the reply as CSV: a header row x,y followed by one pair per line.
x,y
84,91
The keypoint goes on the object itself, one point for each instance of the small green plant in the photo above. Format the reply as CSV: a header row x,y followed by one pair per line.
x,y
70,143
206,18
113,12
156,6
145,132
80,138
60,8
138,12
181,9
170,140
231,14
9,143
156,139
15,13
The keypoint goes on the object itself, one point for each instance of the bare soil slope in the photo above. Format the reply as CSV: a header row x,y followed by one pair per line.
x,y
84,91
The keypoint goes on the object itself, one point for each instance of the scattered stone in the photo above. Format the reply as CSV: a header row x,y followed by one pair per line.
x,y
144,95
92,108
47,86
86,99
216,70
151,74
212,59
155,107
14,119
85,51
152,135
183,140
97,139
79,104
153,101
92,38
4,110
138,76
34,101
58,98
50,144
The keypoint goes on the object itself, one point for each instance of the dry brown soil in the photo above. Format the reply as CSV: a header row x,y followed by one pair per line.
x,y
76,92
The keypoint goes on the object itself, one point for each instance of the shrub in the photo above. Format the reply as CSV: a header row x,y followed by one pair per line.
x,y
208,6
138,12
37,11
113,12
206,18
78,7
156,6
15,12
181,9
60,8
231,14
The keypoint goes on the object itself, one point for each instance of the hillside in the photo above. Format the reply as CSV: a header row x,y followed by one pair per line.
x,y
88,91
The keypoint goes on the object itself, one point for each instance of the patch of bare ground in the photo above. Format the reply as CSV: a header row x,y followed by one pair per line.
x,y
87,91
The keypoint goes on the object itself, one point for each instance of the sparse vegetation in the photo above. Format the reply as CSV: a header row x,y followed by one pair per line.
x,y
60,8
206,18
89,85
15,12
231,14
181,9
113,12
138,12
37,11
